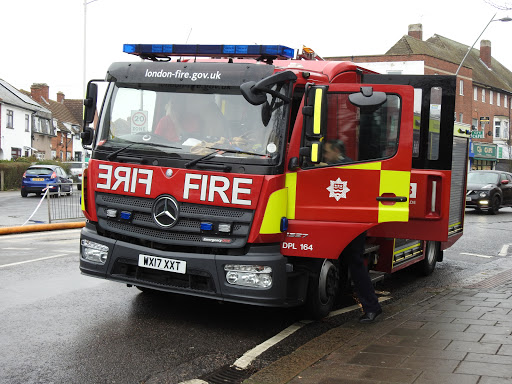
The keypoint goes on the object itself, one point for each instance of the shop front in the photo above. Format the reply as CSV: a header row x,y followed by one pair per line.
x,y
482,155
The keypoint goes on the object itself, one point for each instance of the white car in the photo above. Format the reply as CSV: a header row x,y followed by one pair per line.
x,y
76,170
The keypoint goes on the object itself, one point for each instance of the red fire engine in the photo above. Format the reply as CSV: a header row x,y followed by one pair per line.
x,y
215,177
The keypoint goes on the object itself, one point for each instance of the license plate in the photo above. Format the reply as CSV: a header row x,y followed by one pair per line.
x,y
37,179
162,264
468,198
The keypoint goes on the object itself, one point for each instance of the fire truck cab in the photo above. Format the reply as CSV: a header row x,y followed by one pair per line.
x,y
242,176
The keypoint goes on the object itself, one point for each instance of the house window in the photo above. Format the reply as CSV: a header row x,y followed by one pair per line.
x,y
27,123
475,93
497,125
10,119
491,94
483,95
15,153
498,101
505,130
505,101
474,124
461,87
54,155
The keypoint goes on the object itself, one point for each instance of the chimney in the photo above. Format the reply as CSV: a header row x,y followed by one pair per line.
x,y
485,52
40,92
60,97
416,31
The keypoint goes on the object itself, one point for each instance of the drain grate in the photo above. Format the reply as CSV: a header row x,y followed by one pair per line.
x,y
228,375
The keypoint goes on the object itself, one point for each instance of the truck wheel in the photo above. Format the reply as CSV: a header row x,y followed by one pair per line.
x,y
495,205
428,264
322,288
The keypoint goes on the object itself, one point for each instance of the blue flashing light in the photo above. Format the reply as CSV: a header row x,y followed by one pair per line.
x,y
126,215
284,224
206,226
242,51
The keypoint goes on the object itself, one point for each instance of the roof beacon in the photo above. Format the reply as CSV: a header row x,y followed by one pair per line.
x,y
259,52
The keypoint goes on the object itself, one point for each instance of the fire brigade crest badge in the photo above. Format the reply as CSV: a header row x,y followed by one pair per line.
x,y
338,189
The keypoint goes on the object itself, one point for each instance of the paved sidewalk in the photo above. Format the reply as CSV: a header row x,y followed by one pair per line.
x,y
458,335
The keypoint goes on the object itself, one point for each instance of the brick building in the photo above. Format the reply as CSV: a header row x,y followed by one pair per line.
x,y
484,88
66,122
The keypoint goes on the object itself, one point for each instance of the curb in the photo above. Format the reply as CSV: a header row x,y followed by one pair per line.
x,y
41,227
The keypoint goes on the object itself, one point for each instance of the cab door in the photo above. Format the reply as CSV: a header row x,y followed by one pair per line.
x,y
367,179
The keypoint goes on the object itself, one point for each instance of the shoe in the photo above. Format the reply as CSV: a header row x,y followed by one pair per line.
x,y
369,317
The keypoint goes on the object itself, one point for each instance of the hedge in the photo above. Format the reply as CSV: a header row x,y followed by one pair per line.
x,y
11,171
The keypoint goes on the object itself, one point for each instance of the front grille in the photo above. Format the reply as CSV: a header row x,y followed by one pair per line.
x,y
186,232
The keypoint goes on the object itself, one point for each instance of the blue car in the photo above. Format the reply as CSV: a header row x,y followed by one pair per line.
x,y
38,177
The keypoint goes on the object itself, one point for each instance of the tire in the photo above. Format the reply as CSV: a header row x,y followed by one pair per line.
x,y
24,193
428,264
323,288
495,205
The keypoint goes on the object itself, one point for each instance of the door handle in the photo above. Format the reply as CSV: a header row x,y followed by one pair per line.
x,y
396,199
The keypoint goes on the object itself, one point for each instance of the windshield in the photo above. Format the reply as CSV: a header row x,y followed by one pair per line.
x,y
482,178
192,121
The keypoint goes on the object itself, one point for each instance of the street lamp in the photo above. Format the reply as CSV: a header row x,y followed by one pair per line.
x,y
85,43
469,49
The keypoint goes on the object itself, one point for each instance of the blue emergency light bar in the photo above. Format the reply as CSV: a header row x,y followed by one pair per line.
x,y
198,50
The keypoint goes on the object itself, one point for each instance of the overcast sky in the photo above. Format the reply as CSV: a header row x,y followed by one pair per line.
x,y
42,40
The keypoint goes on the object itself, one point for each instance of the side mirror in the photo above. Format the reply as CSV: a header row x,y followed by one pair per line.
x,y
90,102
367,99
87,134
255,93
504,182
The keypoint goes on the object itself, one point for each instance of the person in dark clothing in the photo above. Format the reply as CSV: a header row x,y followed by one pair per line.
x,y
352,257
334,152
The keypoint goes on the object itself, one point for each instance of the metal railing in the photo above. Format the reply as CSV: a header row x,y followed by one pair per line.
x,y
64,203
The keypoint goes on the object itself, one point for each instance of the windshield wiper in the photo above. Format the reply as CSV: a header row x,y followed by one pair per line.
x,y
205,157
218,151
114,154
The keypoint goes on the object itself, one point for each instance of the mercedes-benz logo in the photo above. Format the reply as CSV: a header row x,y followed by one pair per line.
x,y
166,211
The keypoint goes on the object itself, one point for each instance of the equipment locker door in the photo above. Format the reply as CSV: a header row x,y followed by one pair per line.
x,y
368,183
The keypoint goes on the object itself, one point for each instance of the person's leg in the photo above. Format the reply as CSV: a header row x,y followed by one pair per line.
x,y
353,255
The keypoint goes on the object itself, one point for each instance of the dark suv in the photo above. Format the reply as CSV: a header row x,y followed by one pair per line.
x,y
489,190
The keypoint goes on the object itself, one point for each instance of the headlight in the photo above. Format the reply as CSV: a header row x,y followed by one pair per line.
x,y
483,194
256,276
94,252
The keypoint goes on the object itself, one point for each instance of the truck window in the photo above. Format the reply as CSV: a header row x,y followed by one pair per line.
x,y
364,135
436,94
190,120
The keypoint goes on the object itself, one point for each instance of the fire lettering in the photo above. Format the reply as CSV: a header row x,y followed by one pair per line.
x,y
210,187
124,178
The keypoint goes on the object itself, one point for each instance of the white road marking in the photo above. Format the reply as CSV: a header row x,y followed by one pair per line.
x,y
248,357
476,255
244,361
31,261
504,250
18,249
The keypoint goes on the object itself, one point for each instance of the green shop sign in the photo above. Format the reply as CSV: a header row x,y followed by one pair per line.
x,y
484,151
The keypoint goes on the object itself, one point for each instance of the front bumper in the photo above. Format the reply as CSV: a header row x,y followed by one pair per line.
x,y
205,275
474,200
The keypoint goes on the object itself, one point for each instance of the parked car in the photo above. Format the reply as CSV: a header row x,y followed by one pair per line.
x,y
489,190
76,170
38,177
